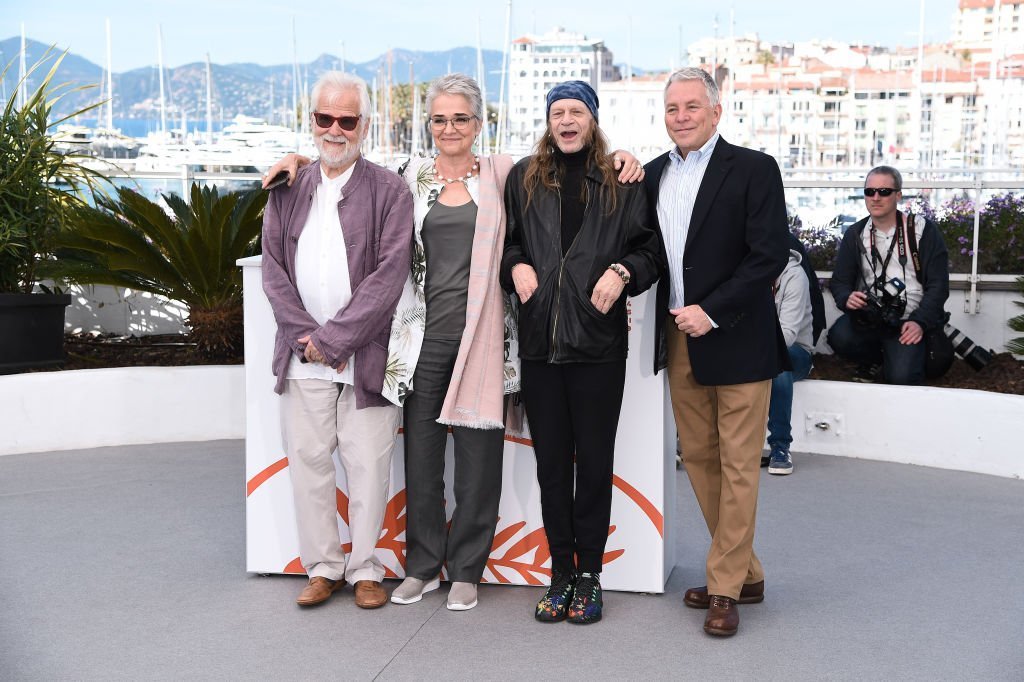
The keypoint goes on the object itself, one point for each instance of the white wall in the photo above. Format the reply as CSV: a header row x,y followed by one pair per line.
x,y
945,428
121,311
90,408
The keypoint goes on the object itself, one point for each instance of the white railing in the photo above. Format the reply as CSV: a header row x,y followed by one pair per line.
x,y
977,181
973,180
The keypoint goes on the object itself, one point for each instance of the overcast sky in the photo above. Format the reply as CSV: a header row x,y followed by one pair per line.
x,y
260,31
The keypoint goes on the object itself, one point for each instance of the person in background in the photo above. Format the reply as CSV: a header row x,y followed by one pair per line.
x,y
336,249
578,244
793,303
891,281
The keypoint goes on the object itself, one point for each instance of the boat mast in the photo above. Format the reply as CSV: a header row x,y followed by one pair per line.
x,y
209,101
160,68
110,83
295,84
481,75
387,110
22,80
502,132
414,93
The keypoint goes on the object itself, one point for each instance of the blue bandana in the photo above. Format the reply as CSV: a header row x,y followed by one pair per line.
x,y
580,90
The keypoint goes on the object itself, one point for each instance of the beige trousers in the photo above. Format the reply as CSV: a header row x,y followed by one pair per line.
x,y
318,417
721,433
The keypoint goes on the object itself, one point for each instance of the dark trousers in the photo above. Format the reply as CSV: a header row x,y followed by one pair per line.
x,y
573,411
901,364
478,460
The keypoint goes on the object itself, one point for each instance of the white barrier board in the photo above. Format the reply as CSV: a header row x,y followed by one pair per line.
x,y
638,556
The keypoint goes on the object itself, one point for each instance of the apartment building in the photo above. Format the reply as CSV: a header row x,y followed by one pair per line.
x,y
536,64
984,24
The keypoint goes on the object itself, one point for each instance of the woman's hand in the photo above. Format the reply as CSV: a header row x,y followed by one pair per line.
x,y
290,164
629,167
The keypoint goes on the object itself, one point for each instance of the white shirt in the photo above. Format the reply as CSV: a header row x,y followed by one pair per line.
x,y
676,196
915,291
321,272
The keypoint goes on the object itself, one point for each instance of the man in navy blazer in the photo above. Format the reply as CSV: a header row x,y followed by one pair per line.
x,y
722,214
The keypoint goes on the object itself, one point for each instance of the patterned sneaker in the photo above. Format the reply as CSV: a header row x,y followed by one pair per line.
x,y
553,607
587,602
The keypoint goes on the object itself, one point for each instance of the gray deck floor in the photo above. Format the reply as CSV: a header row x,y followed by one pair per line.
x,y
128,563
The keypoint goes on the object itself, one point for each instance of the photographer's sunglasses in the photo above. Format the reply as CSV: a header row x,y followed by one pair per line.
x,y
325,121
881,191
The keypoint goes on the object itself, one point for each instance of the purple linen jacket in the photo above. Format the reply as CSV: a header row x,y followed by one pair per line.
x,y
376,214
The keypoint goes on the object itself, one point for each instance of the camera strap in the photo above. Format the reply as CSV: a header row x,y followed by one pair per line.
x,y
914,254
900,241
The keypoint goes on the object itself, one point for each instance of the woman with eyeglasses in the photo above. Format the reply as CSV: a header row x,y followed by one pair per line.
x,y
453,352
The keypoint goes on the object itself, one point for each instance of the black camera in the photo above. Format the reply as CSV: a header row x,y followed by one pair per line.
x,y
885,304
970,352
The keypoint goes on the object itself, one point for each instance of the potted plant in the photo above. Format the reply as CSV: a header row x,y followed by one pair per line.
x,y
185,254
39,187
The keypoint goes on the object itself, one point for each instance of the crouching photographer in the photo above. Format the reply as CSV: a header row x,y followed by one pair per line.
x,y
891,281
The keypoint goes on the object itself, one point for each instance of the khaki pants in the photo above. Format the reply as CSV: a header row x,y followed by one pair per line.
x,y
318,417
721,432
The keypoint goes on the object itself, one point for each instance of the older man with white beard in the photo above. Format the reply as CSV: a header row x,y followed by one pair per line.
x,y
336,253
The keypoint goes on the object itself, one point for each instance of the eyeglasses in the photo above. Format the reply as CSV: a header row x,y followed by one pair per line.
x,y
881,191
460,122
348,123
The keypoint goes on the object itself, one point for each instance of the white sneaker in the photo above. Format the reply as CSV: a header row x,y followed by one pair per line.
x,y
462,597
412,590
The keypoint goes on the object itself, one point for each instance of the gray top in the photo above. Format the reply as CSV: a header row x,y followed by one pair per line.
x,y
448,247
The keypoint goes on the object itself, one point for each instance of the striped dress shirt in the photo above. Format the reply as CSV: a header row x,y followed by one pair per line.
x,y
676,196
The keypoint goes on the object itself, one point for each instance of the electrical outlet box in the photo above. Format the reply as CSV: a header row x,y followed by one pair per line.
x,y
824,423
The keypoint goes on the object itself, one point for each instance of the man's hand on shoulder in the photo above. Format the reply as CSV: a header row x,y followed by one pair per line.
x,y
629,167
290,164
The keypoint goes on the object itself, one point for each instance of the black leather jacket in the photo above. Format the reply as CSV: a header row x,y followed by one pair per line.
x,y
559,324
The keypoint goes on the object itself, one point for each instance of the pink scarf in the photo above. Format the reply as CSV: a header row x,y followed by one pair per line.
x,y
476,393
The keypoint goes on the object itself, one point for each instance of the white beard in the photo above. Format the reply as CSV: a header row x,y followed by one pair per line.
x,y
332,158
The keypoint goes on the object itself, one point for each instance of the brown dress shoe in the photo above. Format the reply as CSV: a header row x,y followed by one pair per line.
x,y
697,597
723,617
370,594
318,591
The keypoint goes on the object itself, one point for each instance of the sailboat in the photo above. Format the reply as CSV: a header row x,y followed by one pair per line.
x,y
105,142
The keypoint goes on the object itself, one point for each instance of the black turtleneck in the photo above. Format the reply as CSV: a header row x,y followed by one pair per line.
x,y
572,168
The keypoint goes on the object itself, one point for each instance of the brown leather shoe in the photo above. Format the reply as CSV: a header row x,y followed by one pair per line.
x,y
697,597
318,591
723,617
370,594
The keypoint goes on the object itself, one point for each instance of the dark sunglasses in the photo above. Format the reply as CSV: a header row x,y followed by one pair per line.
x,y
881,191
348,123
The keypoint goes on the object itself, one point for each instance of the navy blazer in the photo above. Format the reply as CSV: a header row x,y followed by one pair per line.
x,y
736,247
